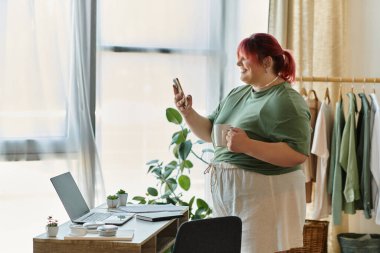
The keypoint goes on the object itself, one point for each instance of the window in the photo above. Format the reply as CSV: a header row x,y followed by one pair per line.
x,y
35,42
34,76
141,49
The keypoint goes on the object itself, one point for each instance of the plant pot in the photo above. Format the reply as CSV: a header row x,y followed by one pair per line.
x,y
112,203
52,231
123,199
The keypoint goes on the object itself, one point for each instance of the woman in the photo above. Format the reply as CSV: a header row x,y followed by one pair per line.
x,y
257,176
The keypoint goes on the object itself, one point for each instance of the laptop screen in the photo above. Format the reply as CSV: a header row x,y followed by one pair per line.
x,y
70,195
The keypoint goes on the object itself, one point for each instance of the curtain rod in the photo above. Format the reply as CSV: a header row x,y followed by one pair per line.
x,y
337,79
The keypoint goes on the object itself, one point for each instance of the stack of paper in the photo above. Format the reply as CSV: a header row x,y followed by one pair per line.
x,y
151,208
121,235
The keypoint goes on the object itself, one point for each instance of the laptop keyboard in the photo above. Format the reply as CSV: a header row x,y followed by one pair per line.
x,y
97,217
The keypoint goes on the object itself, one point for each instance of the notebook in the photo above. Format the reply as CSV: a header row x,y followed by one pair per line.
x,y
159,216
76,207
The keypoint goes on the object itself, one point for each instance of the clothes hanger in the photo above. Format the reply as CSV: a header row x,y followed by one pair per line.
x,y
327,95
302,90
312,92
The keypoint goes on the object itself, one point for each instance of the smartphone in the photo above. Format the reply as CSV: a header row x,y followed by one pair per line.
x,y
179,88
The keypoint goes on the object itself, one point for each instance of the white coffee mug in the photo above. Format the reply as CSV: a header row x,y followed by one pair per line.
x,y
220,134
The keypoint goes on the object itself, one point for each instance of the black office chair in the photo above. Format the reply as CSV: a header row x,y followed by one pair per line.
x,y
214,235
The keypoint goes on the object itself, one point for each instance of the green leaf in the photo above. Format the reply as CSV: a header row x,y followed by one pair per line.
x,y
168,171
152,201
171,201
184,182
173,116
207,150
172,165
175,151
187,164
152,162
178,138
152,191
150,168
191,201
184,149
202,204
140,199
185,132
181,202
171,185
157,171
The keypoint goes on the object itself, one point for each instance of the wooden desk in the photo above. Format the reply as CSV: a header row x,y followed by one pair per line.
x,y
149,237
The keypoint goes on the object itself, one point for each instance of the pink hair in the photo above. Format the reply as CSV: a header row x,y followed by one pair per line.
x,y
261,45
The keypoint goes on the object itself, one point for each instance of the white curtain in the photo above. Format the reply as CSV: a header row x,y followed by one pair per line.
x,y
44,88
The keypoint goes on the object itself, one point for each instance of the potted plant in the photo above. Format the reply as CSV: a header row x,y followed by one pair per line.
x,y
174,177
112,201
123,197
52,227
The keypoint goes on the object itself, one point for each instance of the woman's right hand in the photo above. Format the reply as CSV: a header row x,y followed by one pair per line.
x,y
183,104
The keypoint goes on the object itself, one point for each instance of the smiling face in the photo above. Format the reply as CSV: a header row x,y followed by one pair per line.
x,y
251,71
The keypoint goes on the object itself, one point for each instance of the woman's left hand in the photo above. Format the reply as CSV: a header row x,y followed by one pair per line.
x,y
236,140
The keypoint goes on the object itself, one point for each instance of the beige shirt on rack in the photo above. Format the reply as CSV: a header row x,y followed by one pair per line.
x,y
309,166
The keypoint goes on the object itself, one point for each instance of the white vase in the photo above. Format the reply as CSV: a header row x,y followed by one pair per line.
x,y
123,199
52,231
112,203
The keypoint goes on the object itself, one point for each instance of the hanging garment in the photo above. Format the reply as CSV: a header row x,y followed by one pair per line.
x,y
363,155
309,166
321,148
375,158
335,187
348,158
371,120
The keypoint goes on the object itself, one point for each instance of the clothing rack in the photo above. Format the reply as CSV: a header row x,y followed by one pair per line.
x,y
363,80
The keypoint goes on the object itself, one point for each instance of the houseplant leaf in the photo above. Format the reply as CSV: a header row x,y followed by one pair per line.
x,y
184,182
184,149
173,116
187,164
178,138
152,191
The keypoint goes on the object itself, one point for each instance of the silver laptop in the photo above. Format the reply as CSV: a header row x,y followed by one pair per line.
x,y
76,206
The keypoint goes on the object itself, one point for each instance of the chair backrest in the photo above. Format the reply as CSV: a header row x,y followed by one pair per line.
x,y
214,235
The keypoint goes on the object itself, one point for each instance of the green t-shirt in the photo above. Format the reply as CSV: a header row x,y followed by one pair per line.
x,y
278,114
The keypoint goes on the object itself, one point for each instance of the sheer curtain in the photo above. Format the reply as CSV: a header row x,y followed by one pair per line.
x,y
45,127
89,173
